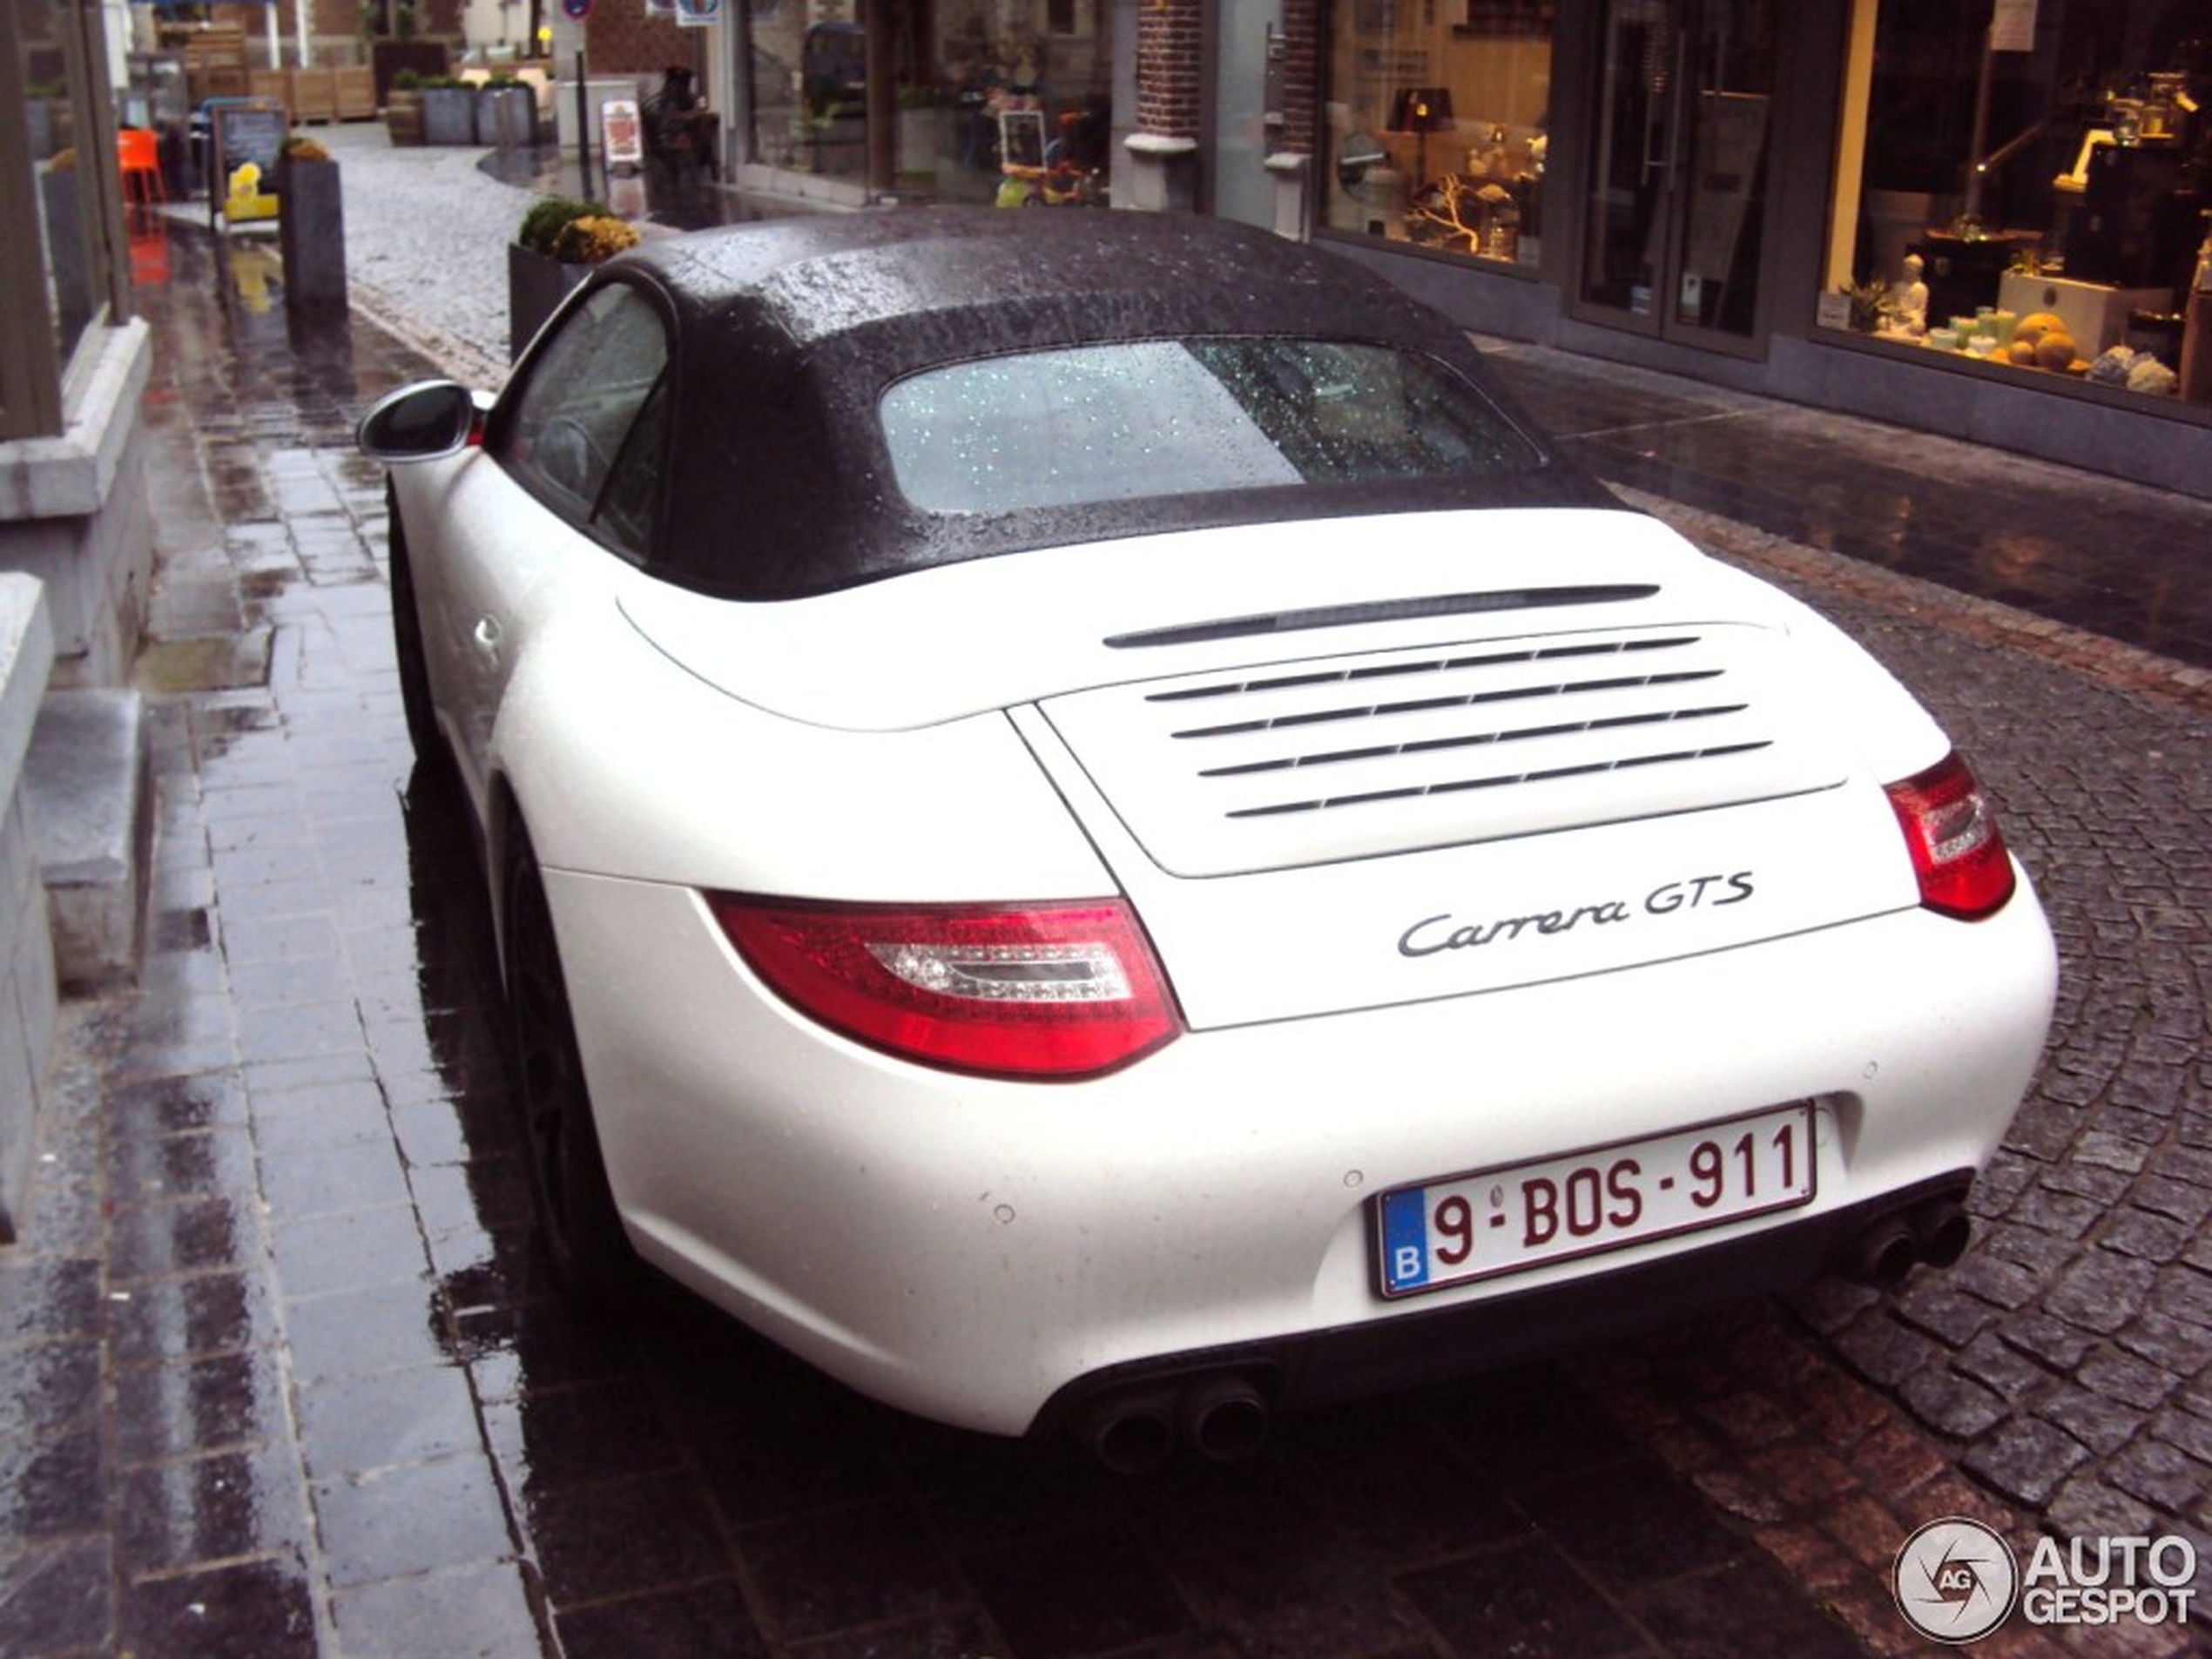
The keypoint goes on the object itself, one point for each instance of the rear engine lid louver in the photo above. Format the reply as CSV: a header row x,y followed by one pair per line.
x,y
1354,757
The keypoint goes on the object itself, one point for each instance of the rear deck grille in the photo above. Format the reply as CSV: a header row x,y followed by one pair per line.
x,y
1493,741
1472,676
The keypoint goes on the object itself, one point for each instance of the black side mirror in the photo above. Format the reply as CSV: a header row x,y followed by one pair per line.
x,y
425,422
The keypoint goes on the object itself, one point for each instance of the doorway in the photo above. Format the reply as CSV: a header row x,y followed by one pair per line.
x,y
1247,111
1674,242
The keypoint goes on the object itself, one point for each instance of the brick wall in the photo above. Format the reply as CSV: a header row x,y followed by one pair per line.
x,y
1301,73
625,39
1170,56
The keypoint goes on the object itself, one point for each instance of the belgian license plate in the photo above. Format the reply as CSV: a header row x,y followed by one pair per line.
x,y
1509,1219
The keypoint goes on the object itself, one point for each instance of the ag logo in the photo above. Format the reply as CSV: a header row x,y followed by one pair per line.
x,y
1955,1581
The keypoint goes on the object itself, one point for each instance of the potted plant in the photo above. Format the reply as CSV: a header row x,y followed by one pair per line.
x,y
401,50
506,114
403,108
311,226
561,238
449,110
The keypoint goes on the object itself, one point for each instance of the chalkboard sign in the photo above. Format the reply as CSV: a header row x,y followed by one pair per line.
x,y
248,138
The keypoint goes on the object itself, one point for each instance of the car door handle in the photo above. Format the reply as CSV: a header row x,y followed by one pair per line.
x,y
485,639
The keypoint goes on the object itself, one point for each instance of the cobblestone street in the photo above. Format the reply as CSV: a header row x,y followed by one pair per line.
x,y
284,1378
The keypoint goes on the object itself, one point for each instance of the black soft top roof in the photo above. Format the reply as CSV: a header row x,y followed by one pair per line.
x,y
789,330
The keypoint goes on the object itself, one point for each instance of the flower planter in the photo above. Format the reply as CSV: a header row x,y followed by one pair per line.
x,y
403,115
448,115
389,58
536,285
311,234
506,117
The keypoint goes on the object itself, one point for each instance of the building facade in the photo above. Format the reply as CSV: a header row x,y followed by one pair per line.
x,y
1980,217
73,360
76,529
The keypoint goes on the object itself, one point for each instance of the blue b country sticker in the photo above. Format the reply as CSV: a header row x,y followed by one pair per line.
x,y
1405,1238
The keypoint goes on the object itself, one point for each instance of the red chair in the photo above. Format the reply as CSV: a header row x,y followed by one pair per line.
x,y
140,158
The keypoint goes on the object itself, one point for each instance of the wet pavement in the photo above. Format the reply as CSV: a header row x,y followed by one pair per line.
x,y
282,1374
2093,553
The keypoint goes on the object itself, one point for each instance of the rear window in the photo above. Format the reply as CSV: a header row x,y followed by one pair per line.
x,y
1150,418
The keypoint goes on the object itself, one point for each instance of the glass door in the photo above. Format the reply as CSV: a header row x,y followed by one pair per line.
x,y
1673,231
1248,45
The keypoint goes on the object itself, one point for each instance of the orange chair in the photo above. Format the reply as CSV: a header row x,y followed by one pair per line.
x,y
140,159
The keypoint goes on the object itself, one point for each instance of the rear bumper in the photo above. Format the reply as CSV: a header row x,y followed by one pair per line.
x,y
983,1252
1416,1349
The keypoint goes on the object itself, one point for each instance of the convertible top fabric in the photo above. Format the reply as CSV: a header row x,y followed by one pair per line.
x,y
787,332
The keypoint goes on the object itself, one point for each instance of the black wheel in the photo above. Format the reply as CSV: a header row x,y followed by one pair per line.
x,y
575,1207
407,646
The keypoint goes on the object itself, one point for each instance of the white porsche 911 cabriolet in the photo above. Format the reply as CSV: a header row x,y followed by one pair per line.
x,y
1089,832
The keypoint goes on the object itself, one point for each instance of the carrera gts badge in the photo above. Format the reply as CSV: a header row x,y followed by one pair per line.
x,y
1446,932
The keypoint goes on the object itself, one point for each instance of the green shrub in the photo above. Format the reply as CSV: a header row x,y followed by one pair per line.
x,y
563,227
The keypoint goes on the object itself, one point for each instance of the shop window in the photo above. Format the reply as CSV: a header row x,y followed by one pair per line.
x,y
2030,189
55,184
1437,121
971,75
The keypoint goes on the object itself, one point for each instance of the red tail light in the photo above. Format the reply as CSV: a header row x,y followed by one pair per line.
x,y
1957,851
1042,991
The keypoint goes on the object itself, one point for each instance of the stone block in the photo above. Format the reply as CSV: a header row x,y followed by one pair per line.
x,y
26,948
85,787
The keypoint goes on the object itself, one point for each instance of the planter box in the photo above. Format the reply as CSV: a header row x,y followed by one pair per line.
x,y
448,115
315,94
536,286
272,85
506,117
355,90
311,234
403,116
388,58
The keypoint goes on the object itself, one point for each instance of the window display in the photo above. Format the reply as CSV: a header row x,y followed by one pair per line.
x,y
2027,185
70,209
976,81
1437,124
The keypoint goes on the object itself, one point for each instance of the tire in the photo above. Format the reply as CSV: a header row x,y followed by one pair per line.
x,y
406,645
577,1220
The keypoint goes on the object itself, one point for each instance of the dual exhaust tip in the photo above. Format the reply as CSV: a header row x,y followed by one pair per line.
x,y
1138,1428
1218,1414
1930,1234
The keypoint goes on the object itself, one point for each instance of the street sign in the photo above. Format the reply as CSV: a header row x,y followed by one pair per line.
x,y
576,11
